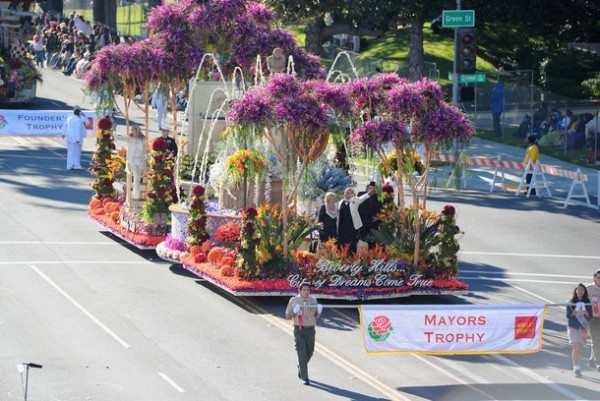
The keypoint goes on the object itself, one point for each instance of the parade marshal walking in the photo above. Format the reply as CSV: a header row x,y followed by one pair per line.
x,y
304,310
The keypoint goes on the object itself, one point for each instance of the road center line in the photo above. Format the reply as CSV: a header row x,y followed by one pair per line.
x,y
528,372
529,255
171,382
517,280
81,308
484,273
533,294
33,156
111,243
78,262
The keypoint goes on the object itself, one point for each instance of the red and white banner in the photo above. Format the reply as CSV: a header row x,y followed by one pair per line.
x,y
40,122
452,329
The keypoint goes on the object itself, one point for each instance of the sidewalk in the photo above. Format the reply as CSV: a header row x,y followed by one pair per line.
x,y
480,178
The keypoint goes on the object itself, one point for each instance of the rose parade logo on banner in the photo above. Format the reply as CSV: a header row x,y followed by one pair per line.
x,y
40,122
452,329
380,328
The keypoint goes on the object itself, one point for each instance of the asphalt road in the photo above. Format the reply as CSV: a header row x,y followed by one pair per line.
x,y
111,323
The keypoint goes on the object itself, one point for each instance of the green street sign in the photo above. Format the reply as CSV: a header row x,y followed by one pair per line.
x,y
458,18
476,78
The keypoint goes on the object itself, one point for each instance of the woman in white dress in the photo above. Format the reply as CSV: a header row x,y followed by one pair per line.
x,y
136,159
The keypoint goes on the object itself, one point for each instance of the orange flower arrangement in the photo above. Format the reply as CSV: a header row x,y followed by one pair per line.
x,y
206,246
306,258
228,232
200,258
227,271
215,255
228,261
196,249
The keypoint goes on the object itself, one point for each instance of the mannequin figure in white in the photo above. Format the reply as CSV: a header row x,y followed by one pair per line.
x,y
136,159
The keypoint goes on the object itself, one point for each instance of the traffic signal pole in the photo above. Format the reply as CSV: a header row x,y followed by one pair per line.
x,y
454,68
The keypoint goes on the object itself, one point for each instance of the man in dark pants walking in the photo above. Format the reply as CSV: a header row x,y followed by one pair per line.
x,y
497,100
304,310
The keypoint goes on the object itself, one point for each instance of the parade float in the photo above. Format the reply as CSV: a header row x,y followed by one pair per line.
x,y
18,73
242,215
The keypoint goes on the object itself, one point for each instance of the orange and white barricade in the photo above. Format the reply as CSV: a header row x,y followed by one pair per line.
x,y
538,180
579,179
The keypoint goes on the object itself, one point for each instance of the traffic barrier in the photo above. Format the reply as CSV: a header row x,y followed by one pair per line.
x,y
538,172
578,179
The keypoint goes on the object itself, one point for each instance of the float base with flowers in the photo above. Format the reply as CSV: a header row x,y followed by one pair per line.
x,y
414,285
143,226
255,266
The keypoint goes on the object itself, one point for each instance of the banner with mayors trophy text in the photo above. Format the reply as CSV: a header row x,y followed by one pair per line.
x,y
452,329
40,122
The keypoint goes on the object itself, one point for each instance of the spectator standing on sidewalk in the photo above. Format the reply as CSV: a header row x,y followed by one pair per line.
x,y
497,101
38,48
594,294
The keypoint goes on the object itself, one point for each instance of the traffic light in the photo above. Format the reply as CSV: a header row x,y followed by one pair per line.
x,y
466,51
466,94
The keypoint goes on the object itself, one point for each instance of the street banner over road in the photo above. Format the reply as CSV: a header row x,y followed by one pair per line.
x,y
452,329
40,122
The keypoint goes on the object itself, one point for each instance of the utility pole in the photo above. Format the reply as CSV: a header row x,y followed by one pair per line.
x,y
454,68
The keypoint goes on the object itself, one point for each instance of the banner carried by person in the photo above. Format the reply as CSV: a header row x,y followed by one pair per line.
x,y
452,329
40,122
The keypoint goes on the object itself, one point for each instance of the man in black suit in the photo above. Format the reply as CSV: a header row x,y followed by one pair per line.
x,y
368,210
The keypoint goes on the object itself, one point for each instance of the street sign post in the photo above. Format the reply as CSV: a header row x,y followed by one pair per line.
x,y
458,18
477,78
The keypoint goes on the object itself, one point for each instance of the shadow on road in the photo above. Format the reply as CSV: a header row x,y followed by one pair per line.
x,y
23,168
345,394
508,391
509,201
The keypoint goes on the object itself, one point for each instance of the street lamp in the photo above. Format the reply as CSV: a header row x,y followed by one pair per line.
x,y
24,368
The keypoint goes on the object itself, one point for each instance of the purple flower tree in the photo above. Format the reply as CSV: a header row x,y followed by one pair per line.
x,y
293,120
390,109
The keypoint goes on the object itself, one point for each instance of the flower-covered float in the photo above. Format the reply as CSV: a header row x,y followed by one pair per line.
x,y
413,250
183,34
277,132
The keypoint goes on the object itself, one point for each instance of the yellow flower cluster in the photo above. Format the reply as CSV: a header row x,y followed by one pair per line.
x,y
245,162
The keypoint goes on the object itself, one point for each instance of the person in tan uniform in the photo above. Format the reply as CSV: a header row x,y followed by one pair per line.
x,y
594,294
304,310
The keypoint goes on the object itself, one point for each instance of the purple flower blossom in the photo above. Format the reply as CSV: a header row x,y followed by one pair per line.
x,y
260,13
443,126
254,108
373,134
283,85
413,100
301,113
333,96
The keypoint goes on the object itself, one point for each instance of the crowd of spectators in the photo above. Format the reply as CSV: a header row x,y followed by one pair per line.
x,y
68,43
554,127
